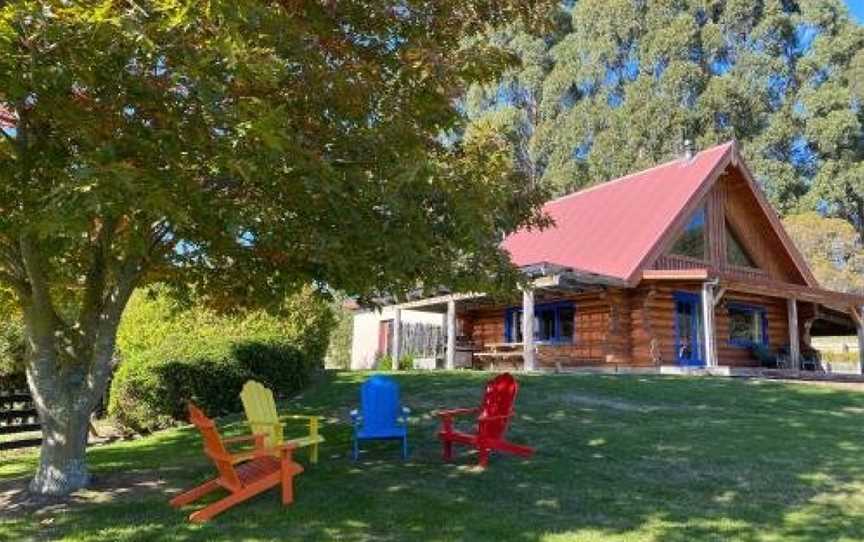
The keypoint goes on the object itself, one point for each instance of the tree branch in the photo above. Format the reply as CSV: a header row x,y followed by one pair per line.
x,y
40,288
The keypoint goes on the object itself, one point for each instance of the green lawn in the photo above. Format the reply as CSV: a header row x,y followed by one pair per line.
x,y
620,458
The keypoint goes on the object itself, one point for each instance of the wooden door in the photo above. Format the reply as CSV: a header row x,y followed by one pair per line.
x,y
385,337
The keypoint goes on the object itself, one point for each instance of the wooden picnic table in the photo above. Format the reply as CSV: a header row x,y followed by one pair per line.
x,y
502,352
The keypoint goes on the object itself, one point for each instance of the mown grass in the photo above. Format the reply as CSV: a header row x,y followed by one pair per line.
x,y
619,458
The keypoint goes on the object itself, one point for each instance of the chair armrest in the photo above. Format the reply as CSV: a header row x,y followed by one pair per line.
x,y
490,418
244,438
271,424
456,412
279,448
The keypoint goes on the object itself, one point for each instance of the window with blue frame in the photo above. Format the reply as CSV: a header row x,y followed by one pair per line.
x,y
748,325
553,323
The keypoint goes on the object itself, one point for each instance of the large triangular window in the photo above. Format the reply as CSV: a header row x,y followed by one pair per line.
x,y
736,254
692,241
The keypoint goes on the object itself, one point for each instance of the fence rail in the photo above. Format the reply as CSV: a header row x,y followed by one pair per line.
x,y
18,416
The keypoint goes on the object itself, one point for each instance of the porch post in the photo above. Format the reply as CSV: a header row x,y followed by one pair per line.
x,y
708,324
397,337
859,325
794,339
528,328
451,335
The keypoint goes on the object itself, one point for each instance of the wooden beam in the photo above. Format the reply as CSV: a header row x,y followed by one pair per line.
x,y
419,304
450,363
528,329
794,338
675,274
785,290
859,327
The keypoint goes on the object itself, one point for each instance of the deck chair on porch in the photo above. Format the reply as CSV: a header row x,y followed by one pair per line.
x,y
243,475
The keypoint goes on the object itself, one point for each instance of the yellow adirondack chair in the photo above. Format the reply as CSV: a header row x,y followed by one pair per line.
x,y
263,419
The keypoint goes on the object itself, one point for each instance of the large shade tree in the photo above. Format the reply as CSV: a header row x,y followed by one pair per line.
x,y
240,148
621,83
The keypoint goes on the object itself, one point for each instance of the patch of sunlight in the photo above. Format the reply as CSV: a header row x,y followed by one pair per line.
x,y
853,410
848,446
726,497
597,442
396,489
815,477
552,504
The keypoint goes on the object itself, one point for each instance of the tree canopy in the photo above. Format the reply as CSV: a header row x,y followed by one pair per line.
x,y
619,84
833,249
241,149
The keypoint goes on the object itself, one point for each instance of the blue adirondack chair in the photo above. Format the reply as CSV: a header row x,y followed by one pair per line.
x,y
381,416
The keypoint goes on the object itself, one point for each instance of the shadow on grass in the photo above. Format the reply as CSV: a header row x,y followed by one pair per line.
x,y
620,457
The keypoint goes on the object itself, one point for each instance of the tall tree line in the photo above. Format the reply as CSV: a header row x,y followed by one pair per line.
x,y
619,84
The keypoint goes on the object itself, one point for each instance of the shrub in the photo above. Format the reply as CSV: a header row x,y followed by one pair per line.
x,y
385,363
173,353
12,347
339,351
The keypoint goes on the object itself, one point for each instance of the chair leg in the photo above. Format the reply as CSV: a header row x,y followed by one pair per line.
x,y
448,450
405,447
194,494
209,512
356,453
313,454
484,458
287,488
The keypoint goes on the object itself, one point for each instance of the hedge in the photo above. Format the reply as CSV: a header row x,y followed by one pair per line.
x,y
171,354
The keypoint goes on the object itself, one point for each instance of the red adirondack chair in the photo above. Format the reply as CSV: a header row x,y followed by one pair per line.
x,y
492,421
243,475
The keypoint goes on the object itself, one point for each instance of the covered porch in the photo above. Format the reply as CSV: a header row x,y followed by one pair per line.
x,y
484,332
586,322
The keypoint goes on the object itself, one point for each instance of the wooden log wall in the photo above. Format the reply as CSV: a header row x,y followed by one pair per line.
x,y
601,330
654,320
636,327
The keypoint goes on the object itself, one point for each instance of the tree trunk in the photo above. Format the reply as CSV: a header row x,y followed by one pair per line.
x,y
62,463
66,392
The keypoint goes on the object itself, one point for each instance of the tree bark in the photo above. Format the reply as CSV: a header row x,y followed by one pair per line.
x,y
66,387
66,393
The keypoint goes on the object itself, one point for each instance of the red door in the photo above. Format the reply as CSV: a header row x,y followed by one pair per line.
x,y
385,335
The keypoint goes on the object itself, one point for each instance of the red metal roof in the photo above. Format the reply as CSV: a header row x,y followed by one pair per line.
x,y
610,229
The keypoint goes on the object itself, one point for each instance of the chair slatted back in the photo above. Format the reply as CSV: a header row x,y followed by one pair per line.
x,y
214,448
379,403
498,400
260,407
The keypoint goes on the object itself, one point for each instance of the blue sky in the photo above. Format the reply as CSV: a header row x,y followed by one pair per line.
x,y
857,9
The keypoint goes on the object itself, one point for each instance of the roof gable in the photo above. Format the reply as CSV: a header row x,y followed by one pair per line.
x,y
620,228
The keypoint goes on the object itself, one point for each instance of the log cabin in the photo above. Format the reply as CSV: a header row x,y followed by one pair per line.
x,y
684,267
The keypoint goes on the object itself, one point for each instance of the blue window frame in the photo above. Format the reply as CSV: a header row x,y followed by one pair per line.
x,y
553,323
748,325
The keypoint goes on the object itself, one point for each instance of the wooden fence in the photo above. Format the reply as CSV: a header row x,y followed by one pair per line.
x,y
17,415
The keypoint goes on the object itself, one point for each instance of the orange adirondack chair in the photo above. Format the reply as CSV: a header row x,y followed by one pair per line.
x,y
243,475
494,417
